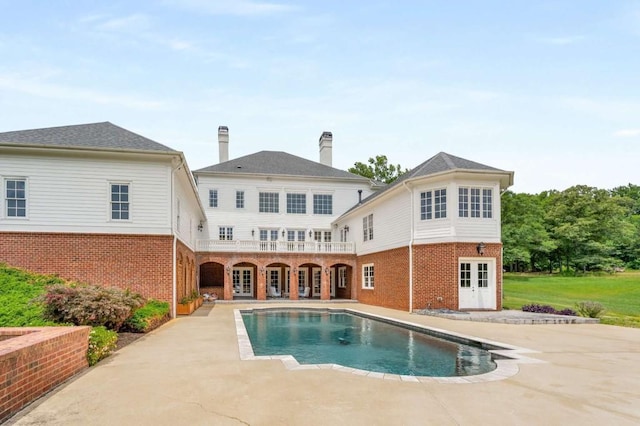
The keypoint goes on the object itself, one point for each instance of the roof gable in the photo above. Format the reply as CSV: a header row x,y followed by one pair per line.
x,y
278,163
99,136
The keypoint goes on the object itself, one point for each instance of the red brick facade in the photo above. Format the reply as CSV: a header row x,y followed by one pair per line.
x,y
435,275
141,263
216,271
35,360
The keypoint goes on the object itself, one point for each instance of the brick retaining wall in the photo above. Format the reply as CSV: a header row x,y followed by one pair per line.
x,y
37,359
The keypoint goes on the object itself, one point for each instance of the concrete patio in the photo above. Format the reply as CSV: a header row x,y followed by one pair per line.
x,y
189,372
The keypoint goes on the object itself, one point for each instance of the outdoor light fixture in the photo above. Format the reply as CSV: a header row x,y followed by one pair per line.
x,y
262,269
283,233
253,232
346,228
228,269
310,233
200,226
480,247
326,271
295,270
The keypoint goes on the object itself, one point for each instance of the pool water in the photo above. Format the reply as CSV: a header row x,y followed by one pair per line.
x,y
324,337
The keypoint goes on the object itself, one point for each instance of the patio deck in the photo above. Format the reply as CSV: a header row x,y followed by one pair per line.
x,y
189,372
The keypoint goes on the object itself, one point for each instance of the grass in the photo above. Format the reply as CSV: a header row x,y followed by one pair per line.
x,y
17,289
618,293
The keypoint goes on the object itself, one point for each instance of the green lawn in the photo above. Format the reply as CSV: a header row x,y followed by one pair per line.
x,y
618,293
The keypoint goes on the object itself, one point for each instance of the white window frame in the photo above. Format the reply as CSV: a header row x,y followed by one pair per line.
x,y
433,204
323,204
368,276
342,277
239,199
225,233
6,198
128,202
213,198
296,203
268,202
367,227
475,202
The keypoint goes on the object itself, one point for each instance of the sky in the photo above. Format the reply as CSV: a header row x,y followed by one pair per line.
x,y
547,89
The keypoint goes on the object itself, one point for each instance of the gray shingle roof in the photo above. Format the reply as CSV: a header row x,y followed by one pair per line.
x,y
278,163
99,136
439,163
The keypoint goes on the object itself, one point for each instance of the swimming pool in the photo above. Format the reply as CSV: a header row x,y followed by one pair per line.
x,y
363,343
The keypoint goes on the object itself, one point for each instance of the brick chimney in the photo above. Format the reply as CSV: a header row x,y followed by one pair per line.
x,y
326,146
223,144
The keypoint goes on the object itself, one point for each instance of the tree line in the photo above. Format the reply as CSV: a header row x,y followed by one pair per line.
x,y
579,229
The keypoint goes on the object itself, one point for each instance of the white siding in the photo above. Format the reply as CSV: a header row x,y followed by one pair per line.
x,y
190,214
455,228
71,193
391,224
345,195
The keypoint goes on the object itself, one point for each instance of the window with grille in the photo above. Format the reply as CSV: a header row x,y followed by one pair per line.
x,y
268,202
120,201
322,204
15,197
297,203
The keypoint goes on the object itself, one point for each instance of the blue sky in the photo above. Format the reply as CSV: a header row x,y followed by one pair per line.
x,y
548,89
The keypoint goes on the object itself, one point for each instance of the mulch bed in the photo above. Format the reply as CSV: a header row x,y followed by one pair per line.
x,y
125,338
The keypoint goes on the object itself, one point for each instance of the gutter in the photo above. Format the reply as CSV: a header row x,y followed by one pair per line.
x,y
404,183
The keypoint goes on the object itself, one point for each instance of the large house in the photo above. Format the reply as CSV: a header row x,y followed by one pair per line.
x,y
99,204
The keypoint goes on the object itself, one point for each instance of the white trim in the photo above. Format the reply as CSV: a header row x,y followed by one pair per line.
x,y
4,214
367,283
130,202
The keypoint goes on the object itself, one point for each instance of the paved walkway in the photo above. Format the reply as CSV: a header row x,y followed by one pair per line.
x,y
189,372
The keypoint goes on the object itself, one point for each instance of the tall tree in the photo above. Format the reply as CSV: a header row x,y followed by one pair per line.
x,y
527,244
587,224
378,169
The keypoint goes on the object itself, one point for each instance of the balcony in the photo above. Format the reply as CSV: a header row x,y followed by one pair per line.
x,y
247,246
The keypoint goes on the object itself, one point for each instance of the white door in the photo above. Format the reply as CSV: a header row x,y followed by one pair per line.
x,y
333,282
242,281
476,283
273,279
316,274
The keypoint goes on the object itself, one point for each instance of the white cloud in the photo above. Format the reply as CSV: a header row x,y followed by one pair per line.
x,y
39,88
233,7
131,23
627,133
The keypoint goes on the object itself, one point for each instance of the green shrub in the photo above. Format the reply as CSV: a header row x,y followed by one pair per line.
x,y
17,289
101,343
590,309
148,317
90,305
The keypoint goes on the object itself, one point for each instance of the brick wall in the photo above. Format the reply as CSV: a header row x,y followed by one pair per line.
x,y
435,275
36,360
141,263
260,261
391,279
185,271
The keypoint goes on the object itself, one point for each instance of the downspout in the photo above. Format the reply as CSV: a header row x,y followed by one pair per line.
x,y
175,242
404,183
501,252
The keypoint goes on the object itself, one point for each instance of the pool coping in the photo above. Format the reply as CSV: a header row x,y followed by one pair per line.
x,y
507,357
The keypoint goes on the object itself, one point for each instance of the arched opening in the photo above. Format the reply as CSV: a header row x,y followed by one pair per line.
x,y
341,280
278,280
212,279
310,276
244,280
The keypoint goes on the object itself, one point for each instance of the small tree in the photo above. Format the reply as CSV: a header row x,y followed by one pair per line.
x,y
378,169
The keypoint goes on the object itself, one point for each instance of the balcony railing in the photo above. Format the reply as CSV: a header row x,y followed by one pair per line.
x,y
275,246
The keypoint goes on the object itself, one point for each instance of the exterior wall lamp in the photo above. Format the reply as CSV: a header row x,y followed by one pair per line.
x,y
310,233
283,233
346,228
253,232
480,248
228,269
200,226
